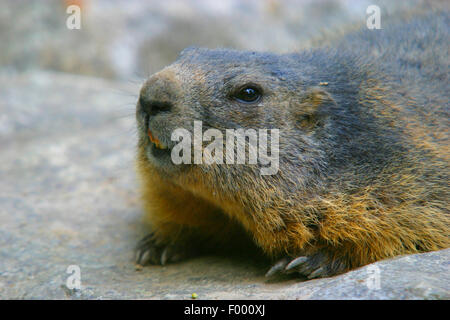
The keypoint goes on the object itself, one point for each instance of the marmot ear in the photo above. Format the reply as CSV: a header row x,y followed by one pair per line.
x,y
311,107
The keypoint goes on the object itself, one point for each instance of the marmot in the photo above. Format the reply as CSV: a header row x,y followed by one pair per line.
x,y
363,151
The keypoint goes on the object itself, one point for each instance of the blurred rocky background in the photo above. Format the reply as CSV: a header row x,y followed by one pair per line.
x,y
67,183
122,39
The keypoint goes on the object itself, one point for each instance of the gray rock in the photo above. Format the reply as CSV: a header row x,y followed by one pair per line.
x,y
140,37
68,196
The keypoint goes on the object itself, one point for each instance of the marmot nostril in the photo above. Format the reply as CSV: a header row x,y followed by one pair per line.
x,y
153,107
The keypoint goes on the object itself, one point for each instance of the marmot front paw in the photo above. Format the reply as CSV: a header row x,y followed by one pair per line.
x,y
317,265
152,251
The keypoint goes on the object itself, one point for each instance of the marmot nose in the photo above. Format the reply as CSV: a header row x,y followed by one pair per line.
x,y
153,107
158,93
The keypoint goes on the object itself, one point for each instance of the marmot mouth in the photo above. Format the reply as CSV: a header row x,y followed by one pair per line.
x,y
157,148
155,141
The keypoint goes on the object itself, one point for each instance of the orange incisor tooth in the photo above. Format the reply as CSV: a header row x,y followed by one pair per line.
x,y
155,140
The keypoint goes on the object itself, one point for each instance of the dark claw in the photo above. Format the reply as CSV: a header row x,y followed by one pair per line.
x,y
317,273
165,256
295,263
278,267
143,258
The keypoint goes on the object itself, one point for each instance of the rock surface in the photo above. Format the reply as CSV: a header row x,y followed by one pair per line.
x,y
68,197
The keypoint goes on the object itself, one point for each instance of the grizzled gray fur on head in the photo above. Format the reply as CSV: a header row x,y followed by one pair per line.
x,y
325,95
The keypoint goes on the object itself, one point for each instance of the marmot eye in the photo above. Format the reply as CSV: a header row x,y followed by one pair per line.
x,y
248,94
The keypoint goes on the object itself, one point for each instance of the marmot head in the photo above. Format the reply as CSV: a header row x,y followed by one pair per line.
x,y
227,89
